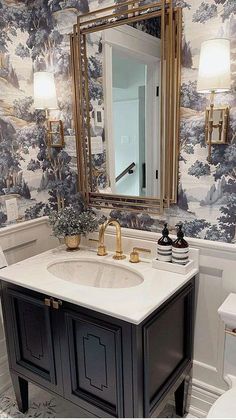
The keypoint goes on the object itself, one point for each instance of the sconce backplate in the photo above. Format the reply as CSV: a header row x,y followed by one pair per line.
x,y
217,124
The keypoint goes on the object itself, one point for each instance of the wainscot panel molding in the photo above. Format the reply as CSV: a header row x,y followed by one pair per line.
x,y
215,281
21,241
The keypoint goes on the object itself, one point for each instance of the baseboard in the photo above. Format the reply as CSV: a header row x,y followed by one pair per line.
x,y
202,397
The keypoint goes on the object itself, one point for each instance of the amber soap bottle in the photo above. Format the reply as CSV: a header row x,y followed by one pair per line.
x,y
180,248
164,246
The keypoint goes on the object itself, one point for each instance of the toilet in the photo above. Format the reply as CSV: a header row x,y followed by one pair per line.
x,y
225,405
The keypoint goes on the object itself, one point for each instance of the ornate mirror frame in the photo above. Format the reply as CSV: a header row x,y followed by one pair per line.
x,y
171,37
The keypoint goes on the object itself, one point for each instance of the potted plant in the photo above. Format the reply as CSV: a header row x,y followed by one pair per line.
x,y
71,222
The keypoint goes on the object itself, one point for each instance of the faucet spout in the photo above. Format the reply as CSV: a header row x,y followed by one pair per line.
x,y
101,246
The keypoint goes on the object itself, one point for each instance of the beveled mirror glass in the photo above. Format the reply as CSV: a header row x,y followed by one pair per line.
x,y
126,71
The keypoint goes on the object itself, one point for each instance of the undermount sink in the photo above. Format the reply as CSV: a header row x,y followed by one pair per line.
x,y
93,273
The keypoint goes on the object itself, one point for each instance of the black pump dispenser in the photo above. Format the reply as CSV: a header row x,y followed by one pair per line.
x,y
164,245
165,239
180,248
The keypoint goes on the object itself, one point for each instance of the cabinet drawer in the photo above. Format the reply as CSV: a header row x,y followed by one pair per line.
x,y
95,355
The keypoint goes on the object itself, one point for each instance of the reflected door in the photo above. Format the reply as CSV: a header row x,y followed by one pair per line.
x,y
131,78
128,110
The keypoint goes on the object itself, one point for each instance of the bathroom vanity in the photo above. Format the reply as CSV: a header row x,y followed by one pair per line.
x,y
115,341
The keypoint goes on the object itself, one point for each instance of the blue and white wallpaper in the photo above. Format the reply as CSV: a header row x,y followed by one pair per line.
x,y
34,36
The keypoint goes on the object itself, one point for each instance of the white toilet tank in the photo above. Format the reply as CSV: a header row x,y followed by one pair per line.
x,y
225,406
227,313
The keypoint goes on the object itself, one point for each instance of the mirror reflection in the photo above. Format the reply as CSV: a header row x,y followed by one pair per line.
x,y
124,65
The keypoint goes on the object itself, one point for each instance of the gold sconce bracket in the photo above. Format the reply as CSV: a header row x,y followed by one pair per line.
x,y
55,133
217,124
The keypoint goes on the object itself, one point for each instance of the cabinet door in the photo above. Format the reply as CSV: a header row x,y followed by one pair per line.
x,y
95,360
167,347
33,341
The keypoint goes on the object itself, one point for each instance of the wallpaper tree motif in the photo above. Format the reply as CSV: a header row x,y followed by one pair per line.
x,y
33,37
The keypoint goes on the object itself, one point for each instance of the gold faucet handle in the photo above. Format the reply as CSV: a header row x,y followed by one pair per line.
x,y
102,251
134,255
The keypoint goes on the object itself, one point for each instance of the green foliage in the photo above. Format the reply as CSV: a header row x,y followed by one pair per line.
x,y
129,220
22,108
224,158
182,3
190,98
80,5
199,169
205,12
71,221
182,199
9,17
22,51
34,211
187,59
228,8
33,165
214,233
228,218
194,227
3,218
191,134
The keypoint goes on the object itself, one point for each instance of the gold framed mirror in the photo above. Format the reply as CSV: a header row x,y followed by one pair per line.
x,y
126,86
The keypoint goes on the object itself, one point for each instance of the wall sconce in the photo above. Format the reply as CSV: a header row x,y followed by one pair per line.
x,y
214,77
45,98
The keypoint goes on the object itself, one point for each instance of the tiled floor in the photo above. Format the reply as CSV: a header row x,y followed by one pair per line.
x,y
43,404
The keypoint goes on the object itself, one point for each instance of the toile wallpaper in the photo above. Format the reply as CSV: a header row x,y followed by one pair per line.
x,y
33,37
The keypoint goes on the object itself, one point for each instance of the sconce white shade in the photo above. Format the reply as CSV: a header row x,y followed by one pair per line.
x,y
45,96
214,66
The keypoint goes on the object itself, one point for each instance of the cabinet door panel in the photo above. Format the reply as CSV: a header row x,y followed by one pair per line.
x,y
32,353
167,347
95,351
32,335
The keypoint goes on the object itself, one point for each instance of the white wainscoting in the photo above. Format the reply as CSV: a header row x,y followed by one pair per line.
x,y
21,241
217,278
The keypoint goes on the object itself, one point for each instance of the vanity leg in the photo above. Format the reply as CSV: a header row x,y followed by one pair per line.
x,y
180,400
20,387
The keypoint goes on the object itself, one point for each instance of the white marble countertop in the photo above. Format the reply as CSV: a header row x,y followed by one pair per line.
x,y
132,304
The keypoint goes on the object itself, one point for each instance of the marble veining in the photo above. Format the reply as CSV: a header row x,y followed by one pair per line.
x,y
132,304
94,273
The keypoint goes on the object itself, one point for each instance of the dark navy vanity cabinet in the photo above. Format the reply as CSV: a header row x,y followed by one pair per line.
x,y
105,366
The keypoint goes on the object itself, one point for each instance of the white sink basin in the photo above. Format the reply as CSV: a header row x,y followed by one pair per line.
x,y
93,273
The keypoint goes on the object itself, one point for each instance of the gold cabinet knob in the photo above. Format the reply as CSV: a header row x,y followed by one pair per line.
x,y
56,304
134,255
52,303
47,302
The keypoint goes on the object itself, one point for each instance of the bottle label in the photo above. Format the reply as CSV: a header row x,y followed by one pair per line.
x,y
180,255
164,247
164,252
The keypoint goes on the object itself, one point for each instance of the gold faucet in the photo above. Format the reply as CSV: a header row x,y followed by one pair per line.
x,y
101,246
